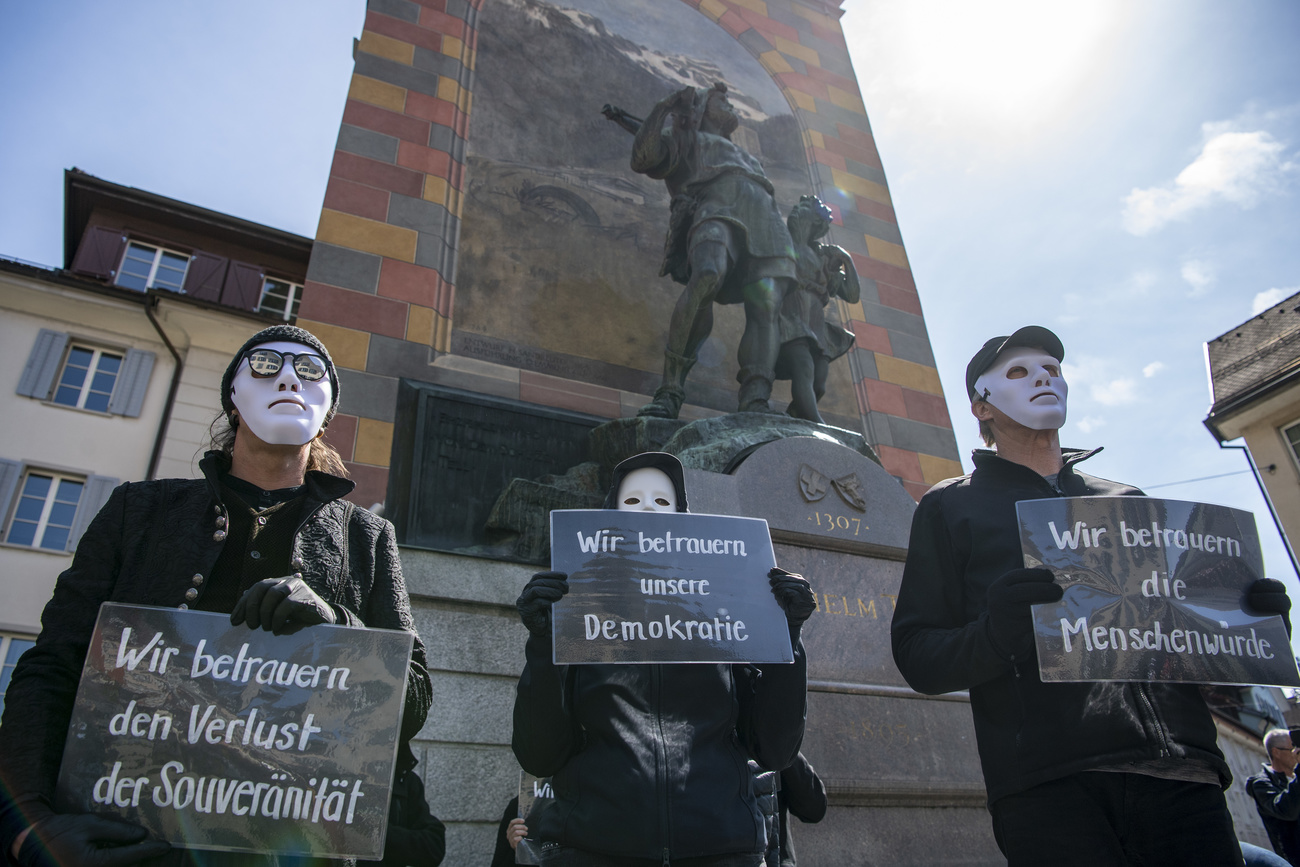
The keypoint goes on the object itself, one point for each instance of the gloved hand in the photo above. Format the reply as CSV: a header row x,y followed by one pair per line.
x,y
1009,598
87,841
794,594
1268,596
281,605
534,604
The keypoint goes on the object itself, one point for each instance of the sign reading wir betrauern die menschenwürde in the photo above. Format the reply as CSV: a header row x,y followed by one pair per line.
x,y
1154,591
665,587
221,737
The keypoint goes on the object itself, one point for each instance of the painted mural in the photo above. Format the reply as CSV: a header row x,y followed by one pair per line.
x,y
561,243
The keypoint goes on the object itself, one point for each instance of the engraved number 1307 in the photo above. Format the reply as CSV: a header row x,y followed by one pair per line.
x,y
833,522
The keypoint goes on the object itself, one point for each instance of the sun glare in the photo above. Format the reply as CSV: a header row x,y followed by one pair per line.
x,y
1004,62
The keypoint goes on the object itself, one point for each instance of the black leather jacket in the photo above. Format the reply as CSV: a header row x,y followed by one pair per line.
x,y
651,761
151,544
964,537
1278,801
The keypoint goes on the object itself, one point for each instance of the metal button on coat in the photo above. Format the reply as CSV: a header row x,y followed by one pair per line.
x,y
191,594
198,580
297,563
219,536
261,520
256,555
183,607
297,575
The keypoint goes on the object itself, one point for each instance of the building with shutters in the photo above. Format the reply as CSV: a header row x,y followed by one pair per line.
x,y
1255,382
112,365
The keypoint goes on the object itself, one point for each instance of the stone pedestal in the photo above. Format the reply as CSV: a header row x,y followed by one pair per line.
x,y
901,770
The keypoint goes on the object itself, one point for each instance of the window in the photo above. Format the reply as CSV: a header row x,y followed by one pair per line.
x,y
48,509
145,267
11,647
1291,434
44,513
78,374
280,297
88,378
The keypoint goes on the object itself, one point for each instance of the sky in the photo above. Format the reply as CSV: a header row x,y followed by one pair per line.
x,y
1124,173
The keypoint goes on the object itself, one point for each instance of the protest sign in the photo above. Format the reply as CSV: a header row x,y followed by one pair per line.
x,y
1154,591
665,587
535,795
228,738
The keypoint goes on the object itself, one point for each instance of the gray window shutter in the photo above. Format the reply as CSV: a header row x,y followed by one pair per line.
x,y
132,383
10,473
43,364
93,498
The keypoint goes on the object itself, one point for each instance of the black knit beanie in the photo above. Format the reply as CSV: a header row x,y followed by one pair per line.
x,y
290,334
669,464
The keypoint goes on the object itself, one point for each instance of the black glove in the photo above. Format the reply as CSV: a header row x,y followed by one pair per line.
x,y
534,604
1009,598
794,594
281,605
1268,596
87,841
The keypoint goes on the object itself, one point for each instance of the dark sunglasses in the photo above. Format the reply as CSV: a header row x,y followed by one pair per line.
x,y
267,362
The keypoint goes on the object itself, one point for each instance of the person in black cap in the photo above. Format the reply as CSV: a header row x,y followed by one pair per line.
x,y
649,762
1088,774
258,537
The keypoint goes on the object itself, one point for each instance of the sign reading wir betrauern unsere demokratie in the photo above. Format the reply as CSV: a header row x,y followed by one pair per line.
x,y
665,587
1154,591
221,737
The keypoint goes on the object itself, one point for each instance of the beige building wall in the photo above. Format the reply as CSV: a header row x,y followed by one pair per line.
x,y
54,437
206,341
1261,425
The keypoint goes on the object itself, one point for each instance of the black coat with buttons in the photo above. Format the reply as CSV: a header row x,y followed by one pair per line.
x,y
155,543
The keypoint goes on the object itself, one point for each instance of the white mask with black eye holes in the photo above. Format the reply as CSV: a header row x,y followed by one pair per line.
x,y
1026,384
282,408
647,490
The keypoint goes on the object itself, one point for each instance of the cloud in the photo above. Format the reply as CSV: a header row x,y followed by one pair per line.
x,y
1269,297
1153,368
1114,393
1090,423
1200,275
1236,167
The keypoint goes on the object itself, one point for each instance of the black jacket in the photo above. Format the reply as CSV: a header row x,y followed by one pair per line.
x,y
650,761
964,537
1278,803
151,544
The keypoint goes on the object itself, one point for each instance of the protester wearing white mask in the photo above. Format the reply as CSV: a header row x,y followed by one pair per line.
x,y
649,762
1087,774
258,537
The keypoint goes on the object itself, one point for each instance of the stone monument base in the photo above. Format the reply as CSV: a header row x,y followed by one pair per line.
x,y
901,769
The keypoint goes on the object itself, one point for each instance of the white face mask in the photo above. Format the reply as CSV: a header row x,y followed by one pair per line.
x,y
281,409
1027,385
647,490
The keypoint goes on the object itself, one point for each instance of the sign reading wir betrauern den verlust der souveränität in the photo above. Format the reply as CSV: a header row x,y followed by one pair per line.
x,y
229,738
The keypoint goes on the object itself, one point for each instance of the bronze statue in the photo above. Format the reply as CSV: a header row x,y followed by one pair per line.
x,y
808,342
726,240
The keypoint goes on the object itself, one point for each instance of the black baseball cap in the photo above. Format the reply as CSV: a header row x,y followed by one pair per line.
x,y
1035,336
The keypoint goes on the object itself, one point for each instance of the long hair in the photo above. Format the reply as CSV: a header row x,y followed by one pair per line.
x,y
322,456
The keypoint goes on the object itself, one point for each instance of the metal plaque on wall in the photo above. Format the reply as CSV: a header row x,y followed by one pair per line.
x,y
454,452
